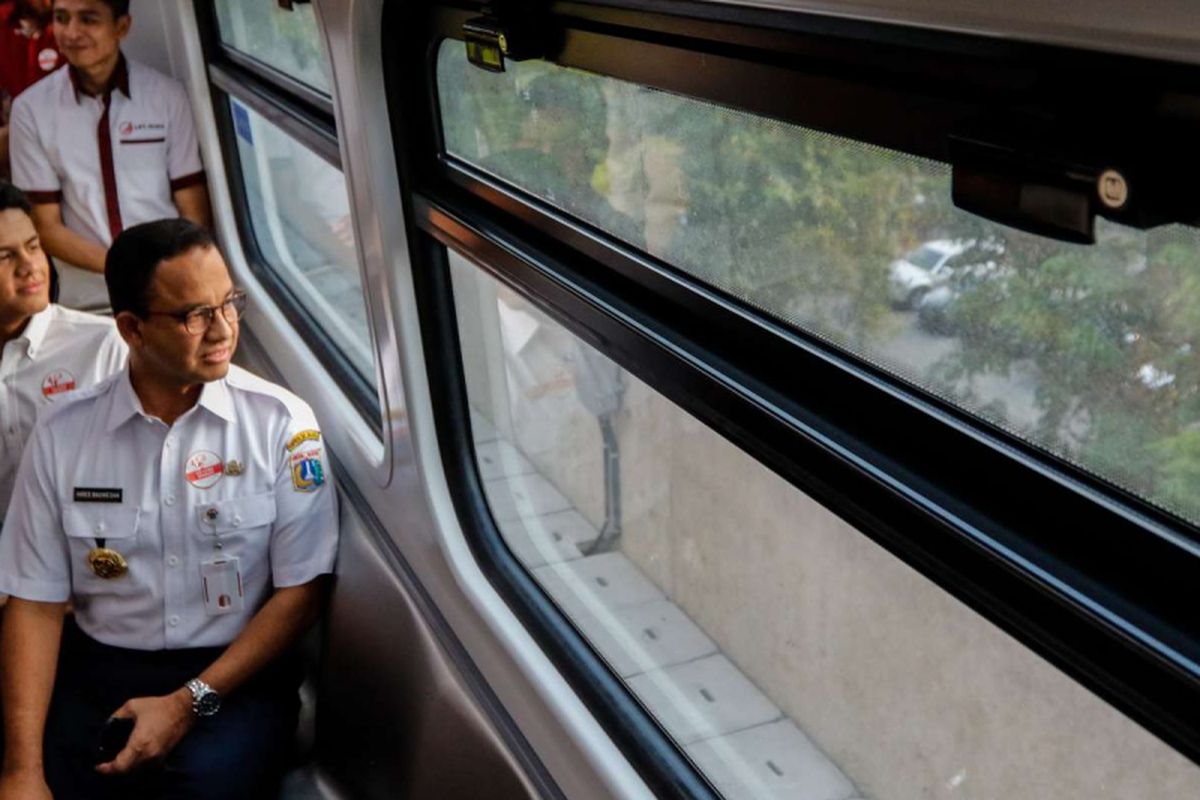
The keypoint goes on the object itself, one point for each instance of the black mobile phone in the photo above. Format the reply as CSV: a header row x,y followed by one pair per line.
x,y
113,737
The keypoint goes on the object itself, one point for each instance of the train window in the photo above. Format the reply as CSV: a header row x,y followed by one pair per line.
x,y
299,213
786,655
287,40
1083,350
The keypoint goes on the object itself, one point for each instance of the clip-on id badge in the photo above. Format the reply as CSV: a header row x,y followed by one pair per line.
x,y
222,578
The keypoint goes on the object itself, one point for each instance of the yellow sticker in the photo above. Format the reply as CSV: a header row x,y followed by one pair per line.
x,y
302,437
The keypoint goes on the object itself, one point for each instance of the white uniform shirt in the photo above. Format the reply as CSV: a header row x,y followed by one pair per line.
x,y
243,467
111,161
59,353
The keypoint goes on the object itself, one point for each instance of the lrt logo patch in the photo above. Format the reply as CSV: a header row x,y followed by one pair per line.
x,y
204,468
307,473
57,382
126,128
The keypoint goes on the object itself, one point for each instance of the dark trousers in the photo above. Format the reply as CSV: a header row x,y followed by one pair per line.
x,y
240,752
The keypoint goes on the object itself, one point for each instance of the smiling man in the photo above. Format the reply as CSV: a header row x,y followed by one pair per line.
x,y
184,506
102,145
49,353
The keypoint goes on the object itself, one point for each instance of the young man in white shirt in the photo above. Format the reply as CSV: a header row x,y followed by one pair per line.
x,y
184,506
101,145
47,353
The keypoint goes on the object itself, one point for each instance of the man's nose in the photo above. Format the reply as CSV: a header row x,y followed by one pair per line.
x,y
26,261
220,328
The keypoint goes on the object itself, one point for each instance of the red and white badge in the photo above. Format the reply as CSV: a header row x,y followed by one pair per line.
x,y
203,469
48,59
57,382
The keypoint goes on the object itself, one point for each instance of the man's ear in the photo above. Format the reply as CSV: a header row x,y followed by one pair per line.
x,y
129,325
124,23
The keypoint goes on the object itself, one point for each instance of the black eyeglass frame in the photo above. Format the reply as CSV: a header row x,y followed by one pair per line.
x,y
236,301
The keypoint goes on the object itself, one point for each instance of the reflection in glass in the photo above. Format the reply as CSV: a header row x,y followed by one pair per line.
x,y
300,213
1086,351
286,39
788,656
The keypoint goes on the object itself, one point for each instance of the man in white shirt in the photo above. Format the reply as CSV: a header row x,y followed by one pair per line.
x,y
184,507
49,353
101,145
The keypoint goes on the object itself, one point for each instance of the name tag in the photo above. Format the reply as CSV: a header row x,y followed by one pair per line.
x,y
85,494
222,578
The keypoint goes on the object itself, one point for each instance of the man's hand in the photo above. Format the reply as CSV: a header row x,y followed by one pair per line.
x,y
25,784
159,724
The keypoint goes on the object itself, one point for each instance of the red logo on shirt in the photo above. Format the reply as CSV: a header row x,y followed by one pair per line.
x,y
57,382
204,469
48,59
126,128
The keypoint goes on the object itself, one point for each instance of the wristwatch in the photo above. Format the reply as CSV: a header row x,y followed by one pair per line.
x,y
205,699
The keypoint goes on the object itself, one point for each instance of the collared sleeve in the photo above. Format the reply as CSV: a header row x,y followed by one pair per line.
x,y
184,166
305,533
34,555
32,171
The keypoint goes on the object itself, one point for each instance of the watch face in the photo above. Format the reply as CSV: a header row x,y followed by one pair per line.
x,y
208,704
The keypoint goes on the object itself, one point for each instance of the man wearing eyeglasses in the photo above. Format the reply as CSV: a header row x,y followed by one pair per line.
x,y
185,508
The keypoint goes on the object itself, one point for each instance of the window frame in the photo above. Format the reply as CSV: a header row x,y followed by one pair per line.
x,y
1125,639
308,117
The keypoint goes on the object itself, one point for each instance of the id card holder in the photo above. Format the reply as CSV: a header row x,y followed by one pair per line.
x,y
222,581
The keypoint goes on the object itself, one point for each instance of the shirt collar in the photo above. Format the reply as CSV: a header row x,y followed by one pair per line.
x,y
35,331
119,80
125,403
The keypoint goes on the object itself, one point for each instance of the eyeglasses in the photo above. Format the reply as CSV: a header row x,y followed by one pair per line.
x,y
198,320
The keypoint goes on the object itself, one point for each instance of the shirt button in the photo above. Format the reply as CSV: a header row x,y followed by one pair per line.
x,y
99,527
173,621
173,561
237,520
169,500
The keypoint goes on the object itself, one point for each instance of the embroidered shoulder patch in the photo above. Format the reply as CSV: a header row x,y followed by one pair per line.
x,y
302,437
308,474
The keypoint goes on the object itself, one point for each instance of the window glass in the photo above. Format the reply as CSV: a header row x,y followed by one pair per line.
x,y
300,214
1086,351
288,41
786,654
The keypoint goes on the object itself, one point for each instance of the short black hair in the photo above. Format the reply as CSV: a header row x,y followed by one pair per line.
x,y
137,252
120,8
12,197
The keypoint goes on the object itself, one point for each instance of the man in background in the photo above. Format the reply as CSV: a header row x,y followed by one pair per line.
x,y
27,54
105,144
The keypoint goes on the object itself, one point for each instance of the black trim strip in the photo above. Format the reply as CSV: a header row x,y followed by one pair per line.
x,y
282,81
311,130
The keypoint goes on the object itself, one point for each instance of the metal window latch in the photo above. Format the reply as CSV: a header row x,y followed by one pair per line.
x,y
1057,183
507,30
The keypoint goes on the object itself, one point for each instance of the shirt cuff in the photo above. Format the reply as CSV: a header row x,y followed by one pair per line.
x,y
39,197
184,181
298,574
37,591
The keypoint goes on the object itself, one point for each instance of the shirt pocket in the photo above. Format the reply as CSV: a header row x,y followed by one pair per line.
x,y
240,525
86,526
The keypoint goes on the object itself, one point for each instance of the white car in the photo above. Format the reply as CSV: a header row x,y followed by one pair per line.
x,y
911,277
